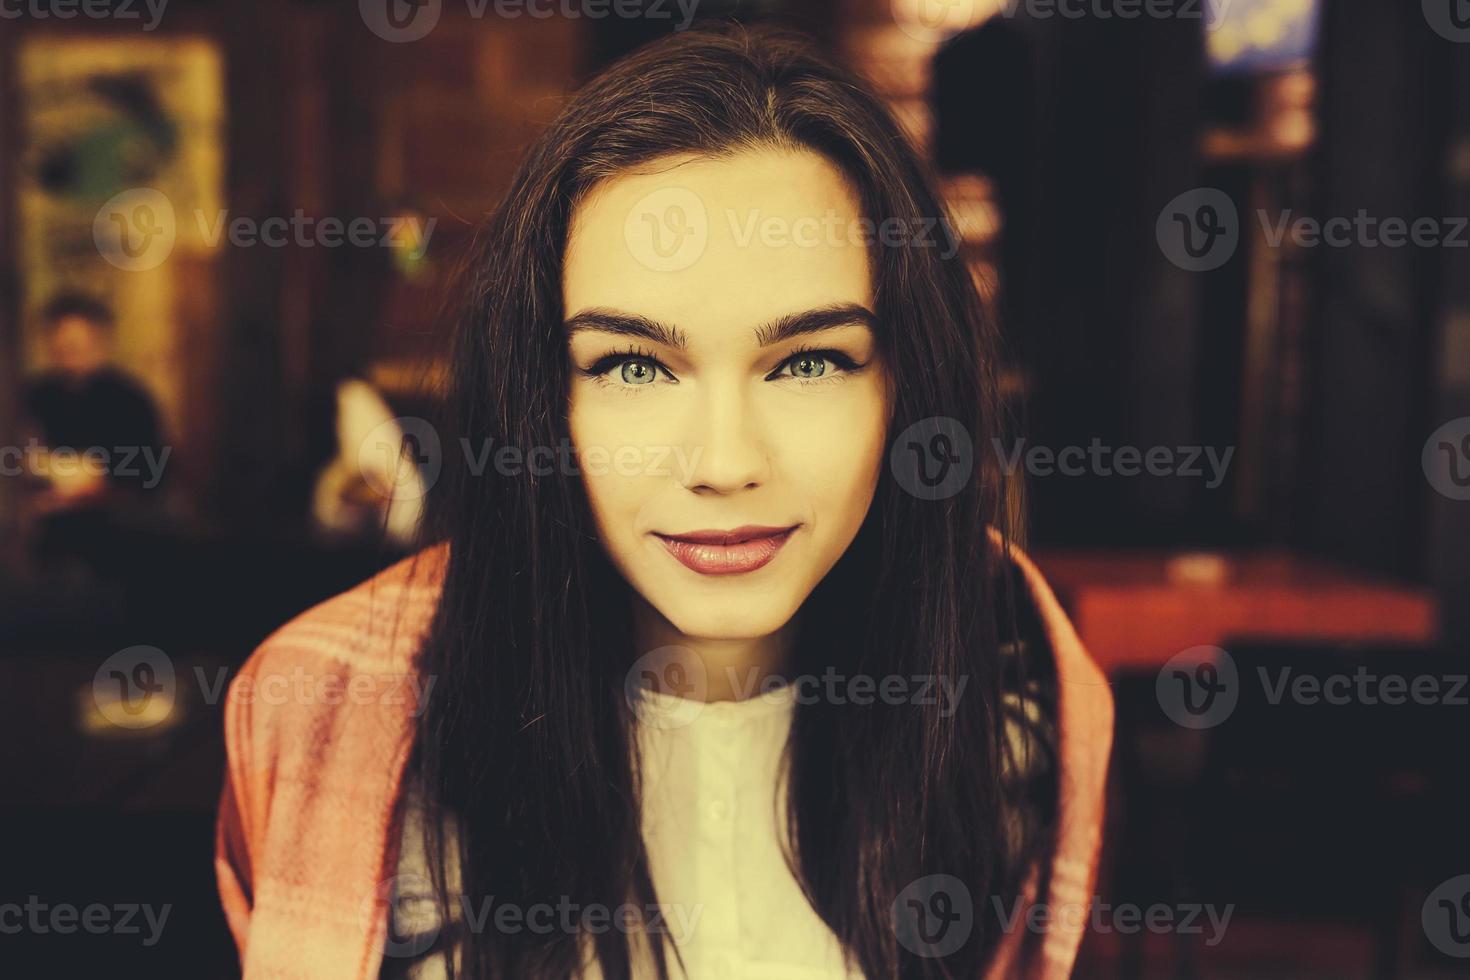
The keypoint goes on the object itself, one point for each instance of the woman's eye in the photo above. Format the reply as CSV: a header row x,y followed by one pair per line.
x,y
632,370
638,372
808,366
815,366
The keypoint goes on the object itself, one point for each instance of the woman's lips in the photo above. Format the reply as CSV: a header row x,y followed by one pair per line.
x,y
741,549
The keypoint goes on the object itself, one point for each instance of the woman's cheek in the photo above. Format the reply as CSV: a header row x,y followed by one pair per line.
x,y
622,475
836,450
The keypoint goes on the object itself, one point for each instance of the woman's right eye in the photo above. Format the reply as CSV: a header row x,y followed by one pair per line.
x,y
638,371
627,370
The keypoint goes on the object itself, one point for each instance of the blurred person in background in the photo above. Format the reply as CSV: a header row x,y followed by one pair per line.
x,y
371,490
94,452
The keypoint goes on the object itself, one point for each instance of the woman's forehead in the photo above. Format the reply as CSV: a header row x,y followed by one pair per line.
x,y
719,243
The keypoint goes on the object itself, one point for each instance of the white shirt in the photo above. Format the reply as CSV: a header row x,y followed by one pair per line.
x,y
713,820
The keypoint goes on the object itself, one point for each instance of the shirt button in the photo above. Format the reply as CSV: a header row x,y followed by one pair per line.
x,y
723,970
719,810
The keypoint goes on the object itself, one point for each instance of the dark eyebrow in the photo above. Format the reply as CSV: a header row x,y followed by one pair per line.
x,y
766,335
629,325
814,321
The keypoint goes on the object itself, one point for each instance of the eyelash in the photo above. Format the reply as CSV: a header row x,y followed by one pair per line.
x,y
607,362
599,369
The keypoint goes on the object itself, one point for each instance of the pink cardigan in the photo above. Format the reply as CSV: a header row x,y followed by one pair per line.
x,y
319,723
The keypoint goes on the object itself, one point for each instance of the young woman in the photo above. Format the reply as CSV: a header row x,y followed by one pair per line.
x,y
723,666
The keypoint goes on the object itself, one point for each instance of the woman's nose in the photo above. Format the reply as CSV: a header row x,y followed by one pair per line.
x,y
727,441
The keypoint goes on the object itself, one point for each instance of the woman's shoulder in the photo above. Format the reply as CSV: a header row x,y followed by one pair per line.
x,y
1083,706
1074,665
1083,697
373,625
318,722
357,647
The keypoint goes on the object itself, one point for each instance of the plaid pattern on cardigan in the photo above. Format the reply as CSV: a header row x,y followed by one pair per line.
x,y
319,724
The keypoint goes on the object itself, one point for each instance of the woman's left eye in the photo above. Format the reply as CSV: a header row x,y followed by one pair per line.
x,y
814,365
808,366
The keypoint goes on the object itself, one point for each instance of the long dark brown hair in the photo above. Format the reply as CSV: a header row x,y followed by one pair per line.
x,y
529,741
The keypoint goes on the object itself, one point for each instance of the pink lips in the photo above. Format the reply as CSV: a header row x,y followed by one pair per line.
x,y
717,552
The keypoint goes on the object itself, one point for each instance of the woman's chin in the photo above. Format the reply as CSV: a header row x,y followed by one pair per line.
x,y
728,619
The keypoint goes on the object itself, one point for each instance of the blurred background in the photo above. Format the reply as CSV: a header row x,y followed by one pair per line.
x,y
1227,243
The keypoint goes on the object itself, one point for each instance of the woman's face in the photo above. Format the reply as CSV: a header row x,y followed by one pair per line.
x,y
725,376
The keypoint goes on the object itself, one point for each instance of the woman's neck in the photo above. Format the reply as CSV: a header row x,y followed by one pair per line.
x,y
733,668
